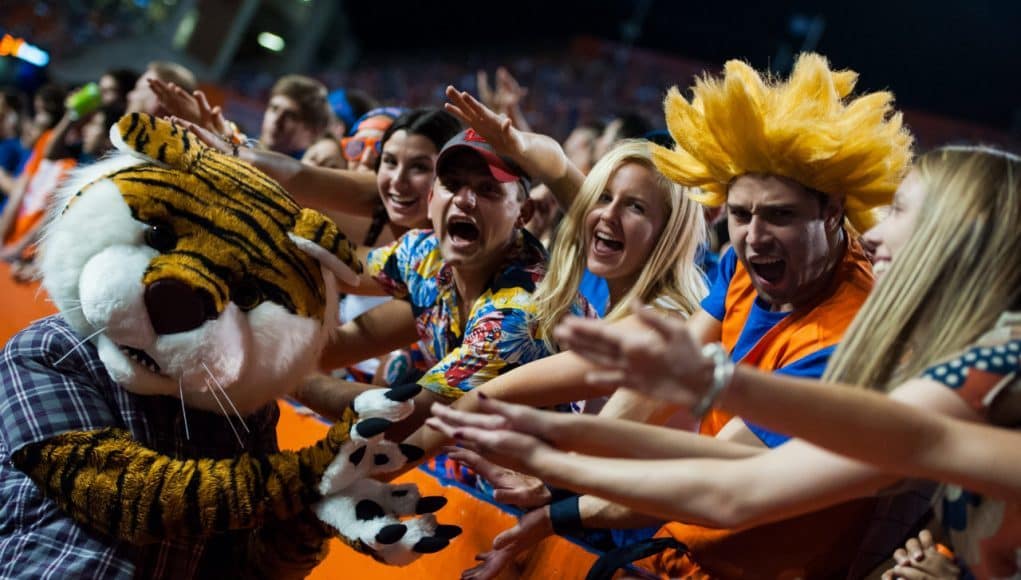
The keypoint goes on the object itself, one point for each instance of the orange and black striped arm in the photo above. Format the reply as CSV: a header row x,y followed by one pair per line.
x,y
107,481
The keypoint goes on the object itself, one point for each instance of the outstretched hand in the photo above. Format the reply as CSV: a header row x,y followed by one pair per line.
x,y
206,136
658,357
532,528
922,559
509,435
193,107
496,129
176,101
509,486
504,96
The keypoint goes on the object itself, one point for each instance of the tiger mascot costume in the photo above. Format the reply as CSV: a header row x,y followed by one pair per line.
x,y
138,425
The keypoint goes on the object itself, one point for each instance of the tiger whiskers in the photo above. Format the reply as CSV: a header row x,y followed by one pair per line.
x,y
80,342
81,305
76,301
223,392
212,391
184,409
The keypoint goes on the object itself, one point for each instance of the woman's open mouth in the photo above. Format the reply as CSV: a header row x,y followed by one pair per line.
x,y
605,244
404,201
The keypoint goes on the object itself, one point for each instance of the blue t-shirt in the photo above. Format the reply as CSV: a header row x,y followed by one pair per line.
x,y
595,290
760,321
13,156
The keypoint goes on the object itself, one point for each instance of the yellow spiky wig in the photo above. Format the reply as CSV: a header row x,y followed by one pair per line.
x,y
806,128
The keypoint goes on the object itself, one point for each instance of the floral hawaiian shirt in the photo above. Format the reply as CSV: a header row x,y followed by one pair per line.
x,y
499,334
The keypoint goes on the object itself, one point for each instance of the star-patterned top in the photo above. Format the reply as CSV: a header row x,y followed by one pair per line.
x,y
985,532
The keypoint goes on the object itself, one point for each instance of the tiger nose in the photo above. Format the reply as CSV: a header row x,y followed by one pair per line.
x,y
174,306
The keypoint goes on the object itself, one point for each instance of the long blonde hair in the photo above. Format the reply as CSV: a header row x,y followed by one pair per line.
x,y
959,271
670,275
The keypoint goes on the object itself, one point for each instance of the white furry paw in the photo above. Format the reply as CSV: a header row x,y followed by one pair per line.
x,y
367,452
367,516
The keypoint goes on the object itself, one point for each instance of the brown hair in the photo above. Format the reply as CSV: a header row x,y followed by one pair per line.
x,y
310,95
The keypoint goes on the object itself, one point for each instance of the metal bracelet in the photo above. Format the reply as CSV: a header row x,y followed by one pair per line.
x,y
723,372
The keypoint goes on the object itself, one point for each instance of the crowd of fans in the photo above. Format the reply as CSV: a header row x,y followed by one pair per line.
x,y
514,214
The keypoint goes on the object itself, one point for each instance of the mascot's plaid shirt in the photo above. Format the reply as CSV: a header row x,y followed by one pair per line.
x,y
40,399
498,335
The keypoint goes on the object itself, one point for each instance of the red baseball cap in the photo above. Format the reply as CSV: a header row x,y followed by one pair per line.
x,y
502,168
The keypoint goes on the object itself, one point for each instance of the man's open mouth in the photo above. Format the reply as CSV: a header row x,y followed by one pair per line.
x,y
142,358
462,229
769,269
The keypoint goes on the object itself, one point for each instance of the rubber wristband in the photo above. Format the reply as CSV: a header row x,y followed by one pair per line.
x,y
945,552
565,516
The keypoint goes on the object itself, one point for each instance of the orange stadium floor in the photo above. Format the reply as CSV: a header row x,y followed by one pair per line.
x,y
481,521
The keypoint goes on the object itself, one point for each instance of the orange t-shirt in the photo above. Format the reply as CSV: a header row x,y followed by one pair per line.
x,y
821,544
44,176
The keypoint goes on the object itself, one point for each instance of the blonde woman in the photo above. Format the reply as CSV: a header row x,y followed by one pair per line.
x,y
633,227
625,221
940,333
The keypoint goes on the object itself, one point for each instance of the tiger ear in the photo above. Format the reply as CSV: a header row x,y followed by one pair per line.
x,y
153,139
318,236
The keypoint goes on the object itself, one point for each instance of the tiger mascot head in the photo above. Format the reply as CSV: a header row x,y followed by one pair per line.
x,y
194,274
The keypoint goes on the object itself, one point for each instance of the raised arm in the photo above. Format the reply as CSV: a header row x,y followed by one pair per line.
x,y
560,378
351,192
733,493
346,191
592,435
56,148
539,155
376,332
894,433
920,430
504,96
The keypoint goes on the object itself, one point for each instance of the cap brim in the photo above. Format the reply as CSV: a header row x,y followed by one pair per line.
x,y
497,167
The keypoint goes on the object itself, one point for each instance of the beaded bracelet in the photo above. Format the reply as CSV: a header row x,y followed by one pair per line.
x,y
723,372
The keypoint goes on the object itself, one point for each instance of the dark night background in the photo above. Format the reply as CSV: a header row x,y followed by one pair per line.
x,y
959,59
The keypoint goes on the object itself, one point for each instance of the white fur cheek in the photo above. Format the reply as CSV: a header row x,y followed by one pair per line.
x,y
215,352
283,351
129,375
284,346
117,365
112,294
98,219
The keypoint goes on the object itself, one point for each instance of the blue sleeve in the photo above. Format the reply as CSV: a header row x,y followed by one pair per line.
x,y
708,261
768,438
595,290
812,367
715,302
